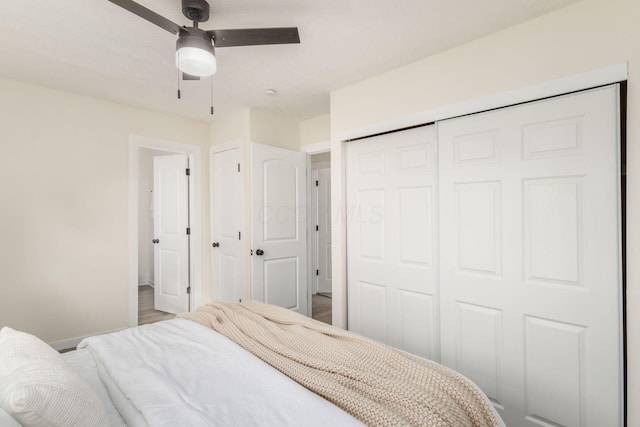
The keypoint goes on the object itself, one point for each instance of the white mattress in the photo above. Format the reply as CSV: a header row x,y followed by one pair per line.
x,y
82,362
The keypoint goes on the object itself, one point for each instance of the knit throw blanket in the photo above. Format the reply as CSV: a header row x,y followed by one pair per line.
x,y
376,384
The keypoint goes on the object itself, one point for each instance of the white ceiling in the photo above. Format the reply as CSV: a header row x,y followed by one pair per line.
x,y
95,48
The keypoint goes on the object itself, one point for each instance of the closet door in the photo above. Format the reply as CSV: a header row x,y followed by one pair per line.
x,y
530,258
228,250
392,275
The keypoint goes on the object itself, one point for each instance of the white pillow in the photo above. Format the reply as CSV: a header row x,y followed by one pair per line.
x,y
39,389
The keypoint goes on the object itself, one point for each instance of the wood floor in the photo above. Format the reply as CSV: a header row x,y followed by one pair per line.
x,y
146,312
321,307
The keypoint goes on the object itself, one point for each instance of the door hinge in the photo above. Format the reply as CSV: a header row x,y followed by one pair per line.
x,y
238,167
317,228
317,272
316,183
239,235
188,290
188,230
188,171
251,253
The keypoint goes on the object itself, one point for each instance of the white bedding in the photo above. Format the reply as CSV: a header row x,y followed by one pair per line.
x,y
179,373
84,364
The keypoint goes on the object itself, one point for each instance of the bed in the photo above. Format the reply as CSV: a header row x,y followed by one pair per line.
x,y
209,368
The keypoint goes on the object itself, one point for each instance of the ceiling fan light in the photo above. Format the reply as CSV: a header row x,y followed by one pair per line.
x,y
196,61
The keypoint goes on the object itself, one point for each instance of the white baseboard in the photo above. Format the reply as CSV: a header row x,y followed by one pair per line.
x,y
149,283
73,342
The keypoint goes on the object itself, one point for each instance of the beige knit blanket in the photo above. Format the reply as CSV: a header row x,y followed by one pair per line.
x,y
376,384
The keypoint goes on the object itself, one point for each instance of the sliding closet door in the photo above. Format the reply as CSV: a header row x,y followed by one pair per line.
x,y
530,258
392,275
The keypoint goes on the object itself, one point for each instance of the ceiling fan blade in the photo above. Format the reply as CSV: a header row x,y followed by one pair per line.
x,y
254,36
147,14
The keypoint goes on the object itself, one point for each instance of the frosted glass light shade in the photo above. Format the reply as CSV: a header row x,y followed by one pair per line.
x,y
196,61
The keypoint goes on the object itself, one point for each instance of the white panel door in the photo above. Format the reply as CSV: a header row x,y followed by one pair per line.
x,y
279,227
530,258
170,222
391,240
323,229
228,218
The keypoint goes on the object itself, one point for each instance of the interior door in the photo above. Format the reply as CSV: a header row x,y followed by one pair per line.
x,y
228,219
530,270
170,223
279,227
391,240
323,229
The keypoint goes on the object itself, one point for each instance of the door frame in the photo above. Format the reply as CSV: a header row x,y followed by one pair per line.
x,y
137,142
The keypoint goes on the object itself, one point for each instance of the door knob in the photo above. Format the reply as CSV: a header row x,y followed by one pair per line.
x,y
259,252
216,244
154,241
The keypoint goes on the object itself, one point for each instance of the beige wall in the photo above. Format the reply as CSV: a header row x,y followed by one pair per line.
x,y
230,128
321,158
271,129
586,36
251,125
315,130
64,162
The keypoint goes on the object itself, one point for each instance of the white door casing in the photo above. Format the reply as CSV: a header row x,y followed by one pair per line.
x,y
170,222
228,250
279,227
322,213
530,258
392,240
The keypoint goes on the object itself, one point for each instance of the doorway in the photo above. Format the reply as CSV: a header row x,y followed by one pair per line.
x,y
321,237
163,253
164,229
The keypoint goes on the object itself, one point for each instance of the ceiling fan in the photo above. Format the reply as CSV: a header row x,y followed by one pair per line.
x,y
195,48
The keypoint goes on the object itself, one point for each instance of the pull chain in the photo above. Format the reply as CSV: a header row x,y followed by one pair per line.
x,y
211,78
179,78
